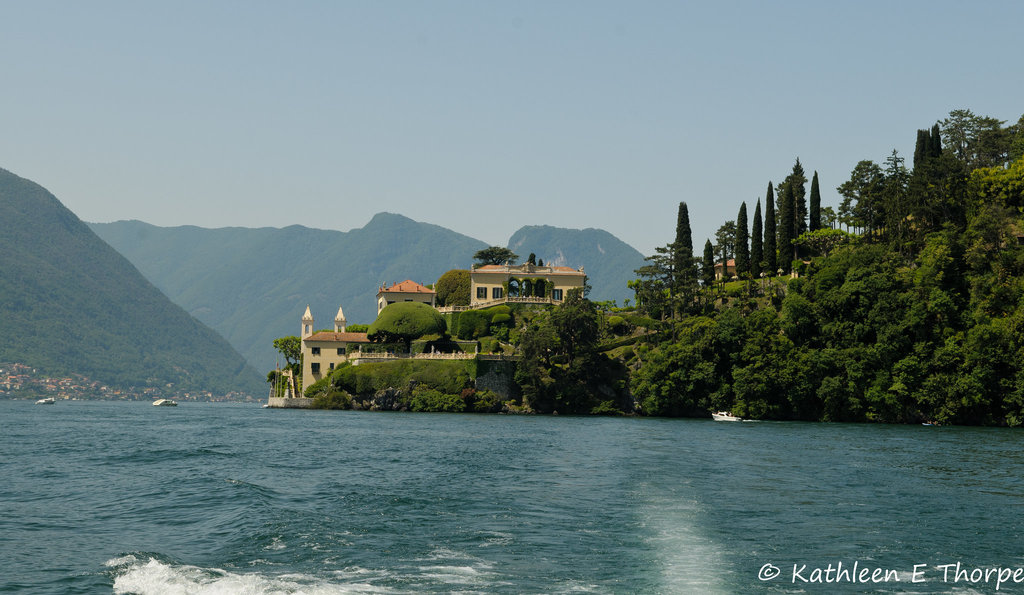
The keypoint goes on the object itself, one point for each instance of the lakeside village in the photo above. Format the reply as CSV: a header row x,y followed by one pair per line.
x,y
405,330
20,381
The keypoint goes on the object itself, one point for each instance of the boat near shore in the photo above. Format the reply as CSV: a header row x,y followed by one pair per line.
x,y
46,401
164,403
725,416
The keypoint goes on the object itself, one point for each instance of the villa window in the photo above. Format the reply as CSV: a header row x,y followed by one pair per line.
x,y
316,351
556,294
332,365
315,368
341,351
481,293
497,293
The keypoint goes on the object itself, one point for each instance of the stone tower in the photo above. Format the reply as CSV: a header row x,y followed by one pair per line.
x,y
307,324
339,321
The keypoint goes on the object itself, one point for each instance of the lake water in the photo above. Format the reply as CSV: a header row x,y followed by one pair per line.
x,y
100,497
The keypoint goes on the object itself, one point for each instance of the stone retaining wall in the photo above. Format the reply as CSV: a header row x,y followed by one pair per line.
x,y
283,403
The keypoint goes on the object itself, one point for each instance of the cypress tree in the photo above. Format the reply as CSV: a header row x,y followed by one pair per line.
x,y
682,249
708,267
934,142
796,181
787,225
921,147
814,223
742,247
770,230
756,247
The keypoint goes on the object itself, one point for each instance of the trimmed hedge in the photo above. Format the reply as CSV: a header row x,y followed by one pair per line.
x,y
405,321
449,377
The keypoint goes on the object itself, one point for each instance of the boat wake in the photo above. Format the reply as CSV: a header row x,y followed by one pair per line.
x,y
145,574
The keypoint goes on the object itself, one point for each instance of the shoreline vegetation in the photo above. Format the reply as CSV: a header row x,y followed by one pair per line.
x,y
904,305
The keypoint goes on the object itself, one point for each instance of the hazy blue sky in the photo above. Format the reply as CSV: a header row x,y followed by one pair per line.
x,y
479,116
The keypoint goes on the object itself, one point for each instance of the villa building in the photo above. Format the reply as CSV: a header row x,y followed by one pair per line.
x,y
406,291
324,351
524,282
729,270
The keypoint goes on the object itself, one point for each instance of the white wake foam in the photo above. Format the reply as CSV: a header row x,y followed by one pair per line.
x,y
145,576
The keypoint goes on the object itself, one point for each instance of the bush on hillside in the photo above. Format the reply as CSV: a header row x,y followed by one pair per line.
x,y
473,324
428,399
365,379
405,321
453,288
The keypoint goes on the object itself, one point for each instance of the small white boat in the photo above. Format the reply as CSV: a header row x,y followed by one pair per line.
x,y
46,401
725,416
164,403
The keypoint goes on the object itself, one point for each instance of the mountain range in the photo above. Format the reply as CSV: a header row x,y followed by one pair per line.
x,y
253,284
70,303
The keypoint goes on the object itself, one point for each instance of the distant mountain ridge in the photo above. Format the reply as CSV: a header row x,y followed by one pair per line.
x,y
253,284
71,303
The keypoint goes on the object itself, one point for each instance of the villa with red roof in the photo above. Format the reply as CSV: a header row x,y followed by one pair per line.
x,y
728,271
406,291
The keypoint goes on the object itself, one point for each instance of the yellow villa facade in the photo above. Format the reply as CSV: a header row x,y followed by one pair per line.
x,y
325,350
526,282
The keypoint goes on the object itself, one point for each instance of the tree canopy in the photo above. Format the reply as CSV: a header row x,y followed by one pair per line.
x,y
495,255
453,288
405,321
914,316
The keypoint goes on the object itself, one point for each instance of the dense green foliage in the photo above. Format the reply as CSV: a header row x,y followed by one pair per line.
x,y
474,324
70,304
453,288
919,317
561,368
495,255
449,377
405,321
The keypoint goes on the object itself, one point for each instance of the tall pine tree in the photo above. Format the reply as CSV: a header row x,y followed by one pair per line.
x,y
814,213
756,246
770,231
742,245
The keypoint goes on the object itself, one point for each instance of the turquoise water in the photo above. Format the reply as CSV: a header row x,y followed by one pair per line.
x,y
101,497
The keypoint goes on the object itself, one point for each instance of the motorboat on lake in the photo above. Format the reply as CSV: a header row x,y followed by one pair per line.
x,y
725,416
164,403
46,401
